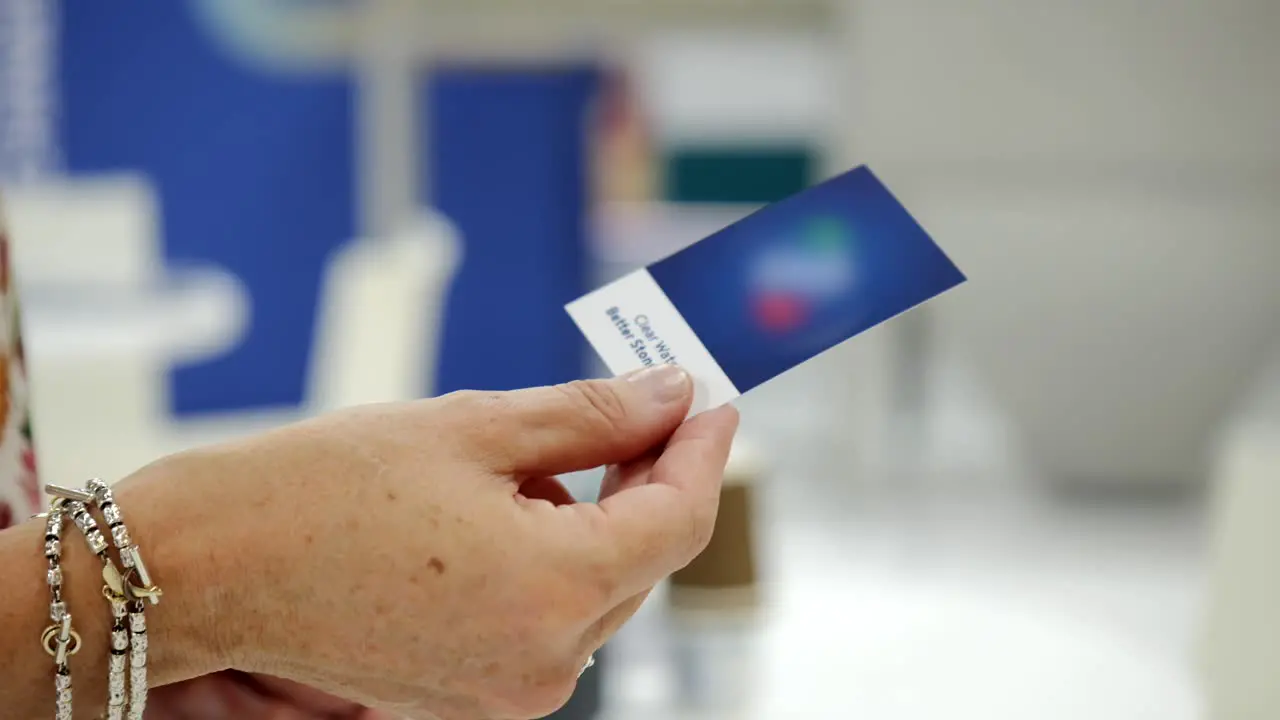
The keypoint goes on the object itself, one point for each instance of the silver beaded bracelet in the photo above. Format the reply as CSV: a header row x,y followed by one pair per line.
x,y
137,596
126,599
59,639
119,631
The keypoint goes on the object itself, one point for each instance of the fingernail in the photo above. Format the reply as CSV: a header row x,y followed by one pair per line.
x,y
664,383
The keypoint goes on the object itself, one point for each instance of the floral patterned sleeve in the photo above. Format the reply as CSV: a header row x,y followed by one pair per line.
x,y
20,494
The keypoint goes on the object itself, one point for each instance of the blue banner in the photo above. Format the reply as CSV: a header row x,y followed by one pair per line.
x,y
253,170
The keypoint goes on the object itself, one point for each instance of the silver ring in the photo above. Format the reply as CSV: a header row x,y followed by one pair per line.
x,y
591,660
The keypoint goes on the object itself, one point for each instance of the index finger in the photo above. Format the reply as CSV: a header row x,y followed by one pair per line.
x,y
657,528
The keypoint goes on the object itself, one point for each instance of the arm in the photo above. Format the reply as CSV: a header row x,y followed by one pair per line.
x,y
417,558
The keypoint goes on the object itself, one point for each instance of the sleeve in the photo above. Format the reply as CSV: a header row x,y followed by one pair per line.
x,y
20,494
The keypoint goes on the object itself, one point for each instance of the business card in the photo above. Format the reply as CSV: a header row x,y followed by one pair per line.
x,y
767,293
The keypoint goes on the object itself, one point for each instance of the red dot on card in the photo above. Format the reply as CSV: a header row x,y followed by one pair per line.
x,y
777,312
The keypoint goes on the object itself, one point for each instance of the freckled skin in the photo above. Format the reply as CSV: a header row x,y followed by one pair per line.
x,y
388,556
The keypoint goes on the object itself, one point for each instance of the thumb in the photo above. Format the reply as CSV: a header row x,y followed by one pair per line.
x,y
585,423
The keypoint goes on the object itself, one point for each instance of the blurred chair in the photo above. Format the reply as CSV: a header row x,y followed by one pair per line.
x,y
104,320
85,233
380,310
377,331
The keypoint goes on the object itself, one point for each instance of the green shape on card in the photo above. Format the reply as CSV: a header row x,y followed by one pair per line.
x,y
827,234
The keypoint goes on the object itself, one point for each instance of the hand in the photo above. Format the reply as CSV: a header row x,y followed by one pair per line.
x,y
238,696
421,558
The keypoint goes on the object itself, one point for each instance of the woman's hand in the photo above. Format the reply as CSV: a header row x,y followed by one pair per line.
x,y
420,558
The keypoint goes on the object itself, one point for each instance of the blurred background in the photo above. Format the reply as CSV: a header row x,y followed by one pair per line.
x,y
1051,493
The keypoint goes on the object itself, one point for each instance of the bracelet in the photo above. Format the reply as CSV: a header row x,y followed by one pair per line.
x,y
119,632
126,599
131,558
59,639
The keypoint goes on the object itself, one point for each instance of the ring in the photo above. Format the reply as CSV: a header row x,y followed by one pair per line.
x,y
591,660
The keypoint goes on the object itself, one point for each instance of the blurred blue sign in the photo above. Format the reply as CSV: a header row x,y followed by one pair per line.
x,y
254,171
243,120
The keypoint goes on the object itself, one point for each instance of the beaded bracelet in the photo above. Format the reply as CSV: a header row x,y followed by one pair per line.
x,y
119,632
131,558
59,639
126,598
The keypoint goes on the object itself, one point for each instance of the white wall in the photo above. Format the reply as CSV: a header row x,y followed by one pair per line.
x,y
1068,82
1106,172
701,86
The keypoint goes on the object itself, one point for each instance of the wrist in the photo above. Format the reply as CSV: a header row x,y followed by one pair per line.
x,y
175,517
176,528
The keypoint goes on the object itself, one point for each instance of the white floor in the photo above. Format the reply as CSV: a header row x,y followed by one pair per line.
x,y
925,594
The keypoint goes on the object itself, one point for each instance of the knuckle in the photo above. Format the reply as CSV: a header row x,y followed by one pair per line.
x,y
473,414
457,397
479,401
599,401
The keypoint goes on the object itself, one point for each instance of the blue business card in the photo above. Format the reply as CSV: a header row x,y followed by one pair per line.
x,y
763,295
